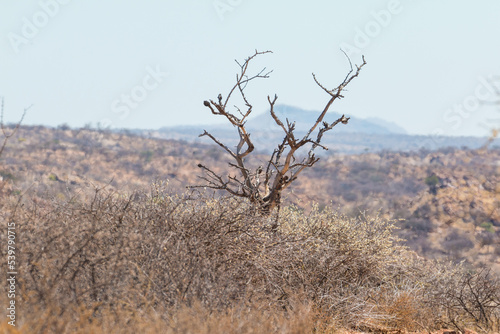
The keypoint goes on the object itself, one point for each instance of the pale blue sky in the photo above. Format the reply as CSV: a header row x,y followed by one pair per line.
x,y
429,61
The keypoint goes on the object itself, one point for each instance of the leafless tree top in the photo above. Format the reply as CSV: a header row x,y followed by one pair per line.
x,y
264,185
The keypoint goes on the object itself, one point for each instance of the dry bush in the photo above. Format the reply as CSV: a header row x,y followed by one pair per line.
x,y
473,300
156,262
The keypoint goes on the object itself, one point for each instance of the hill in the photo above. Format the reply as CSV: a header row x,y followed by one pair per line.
x,y
361,135
302,119
449,200
111,237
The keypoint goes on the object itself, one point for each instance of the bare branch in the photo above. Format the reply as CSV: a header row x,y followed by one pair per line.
x,y
205,133
6,135
244,138
336,92
216,182
240,78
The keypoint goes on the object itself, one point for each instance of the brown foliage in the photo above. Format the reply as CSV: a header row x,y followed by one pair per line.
x,y
160,262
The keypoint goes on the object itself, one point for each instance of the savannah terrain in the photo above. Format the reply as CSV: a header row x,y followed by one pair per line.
x,y
110,240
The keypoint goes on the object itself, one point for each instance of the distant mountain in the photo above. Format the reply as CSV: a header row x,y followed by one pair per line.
x,y
305,118
359,135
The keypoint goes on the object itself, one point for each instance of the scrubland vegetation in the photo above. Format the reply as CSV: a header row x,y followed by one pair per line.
x,y
456,218
103,247
149,261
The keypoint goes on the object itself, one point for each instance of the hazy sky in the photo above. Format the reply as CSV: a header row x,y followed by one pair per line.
x,y
149,64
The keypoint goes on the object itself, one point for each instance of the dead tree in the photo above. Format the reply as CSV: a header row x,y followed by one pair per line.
x,y
7,135
264,185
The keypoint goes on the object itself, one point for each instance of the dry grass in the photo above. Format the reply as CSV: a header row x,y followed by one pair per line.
x,y
193,319
152,262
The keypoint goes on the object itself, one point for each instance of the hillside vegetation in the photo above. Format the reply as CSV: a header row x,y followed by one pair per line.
x,y
111,241
446,203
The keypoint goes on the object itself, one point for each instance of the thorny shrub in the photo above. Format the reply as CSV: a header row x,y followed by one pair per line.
x,y
103,259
